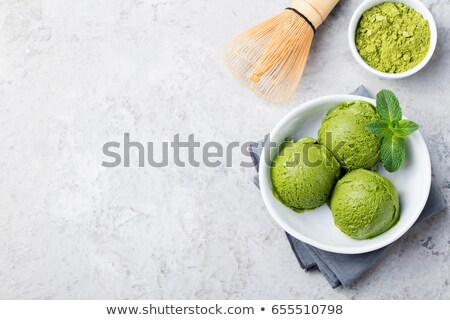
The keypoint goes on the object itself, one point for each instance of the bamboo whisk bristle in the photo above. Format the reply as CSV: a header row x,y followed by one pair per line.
x,y
270,57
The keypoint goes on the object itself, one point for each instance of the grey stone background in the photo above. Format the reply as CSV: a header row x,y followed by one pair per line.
x,y
76,74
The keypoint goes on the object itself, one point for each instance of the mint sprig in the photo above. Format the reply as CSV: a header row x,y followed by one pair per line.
x,y
393,130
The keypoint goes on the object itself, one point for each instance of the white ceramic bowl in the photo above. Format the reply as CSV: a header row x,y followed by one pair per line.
x,y
316,227
416,5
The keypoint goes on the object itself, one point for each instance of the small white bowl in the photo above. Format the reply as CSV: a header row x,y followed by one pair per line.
x,y
316,227
416,5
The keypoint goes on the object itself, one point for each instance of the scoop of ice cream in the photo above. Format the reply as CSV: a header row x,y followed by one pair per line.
x,y
344,132
303,174
364,204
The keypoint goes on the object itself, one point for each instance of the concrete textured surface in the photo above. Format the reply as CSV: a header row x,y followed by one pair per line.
x,y
76,74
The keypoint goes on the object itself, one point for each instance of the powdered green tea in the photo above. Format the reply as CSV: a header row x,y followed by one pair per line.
x,y
392,37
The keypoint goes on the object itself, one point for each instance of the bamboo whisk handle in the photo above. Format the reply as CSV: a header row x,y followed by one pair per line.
x,y
316,11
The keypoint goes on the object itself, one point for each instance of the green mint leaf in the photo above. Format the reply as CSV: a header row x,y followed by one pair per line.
x,y
388,107
379,128
393,125
405,128
392,153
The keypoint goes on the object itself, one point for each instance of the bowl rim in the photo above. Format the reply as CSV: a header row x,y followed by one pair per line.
x,y
266,189
367,4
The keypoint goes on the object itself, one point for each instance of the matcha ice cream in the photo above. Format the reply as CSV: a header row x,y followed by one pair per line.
x,y
303,174
344,132
364,204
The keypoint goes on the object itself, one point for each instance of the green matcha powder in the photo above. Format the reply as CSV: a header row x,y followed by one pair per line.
x,y
392,37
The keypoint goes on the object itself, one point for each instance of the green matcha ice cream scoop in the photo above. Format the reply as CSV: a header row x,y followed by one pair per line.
x,y
364,204
303,174
344,132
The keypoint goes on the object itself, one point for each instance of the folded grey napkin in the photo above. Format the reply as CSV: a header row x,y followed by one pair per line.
x,y
344,269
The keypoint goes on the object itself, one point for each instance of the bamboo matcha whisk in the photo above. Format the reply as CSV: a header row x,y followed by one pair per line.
x,y
270,57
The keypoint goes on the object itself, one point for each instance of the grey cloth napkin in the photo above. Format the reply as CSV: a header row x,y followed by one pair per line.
x,y
344,269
